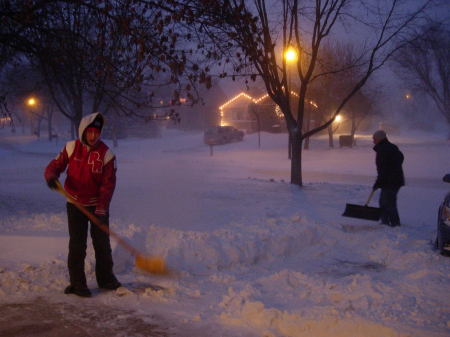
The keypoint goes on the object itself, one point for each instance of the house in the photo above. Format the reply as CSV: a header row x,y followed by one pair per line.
x,y
251,113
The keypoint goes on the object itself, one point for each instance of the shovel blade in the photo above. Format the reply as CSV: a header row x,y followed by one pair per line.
x,y
362,212
153,265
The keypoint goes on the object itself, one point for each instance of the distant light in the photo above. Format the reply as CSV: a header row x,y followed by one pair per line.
x,y
338,118
260,99
256,101
242,94
408,96
31,101
278,111
291,55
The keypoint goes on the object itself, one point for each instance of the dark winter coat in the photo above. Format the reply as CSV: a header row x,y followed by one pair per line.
x,y
389,160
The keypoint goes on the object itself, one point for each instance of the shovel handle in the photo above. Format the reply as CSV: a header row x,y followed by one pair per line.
x,y
97,221
370,197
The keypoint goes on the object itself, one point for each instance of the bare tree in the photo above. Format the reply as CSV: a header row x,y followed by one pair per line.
x,y
360,107
102,54
88,61
261,30
6,117
328,90
425,63
20,82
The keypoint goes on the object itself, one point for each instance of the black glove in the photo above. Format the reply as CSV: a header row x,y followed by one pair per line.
x,y
51,183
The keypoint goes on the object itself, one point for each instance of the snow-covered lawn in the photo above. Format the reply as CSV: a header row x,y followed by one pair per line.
x,y
253,254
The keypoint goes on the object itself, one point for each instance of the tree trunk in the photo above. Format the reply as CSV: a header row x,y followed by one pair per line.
x,y
307,128
252,110
50,123
353,130
289,146
49,129
330,136
76,124
296,160
37,129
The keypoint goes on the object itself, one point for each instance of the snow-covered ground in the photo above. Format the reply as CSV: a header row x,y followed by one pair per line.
x,y
253,254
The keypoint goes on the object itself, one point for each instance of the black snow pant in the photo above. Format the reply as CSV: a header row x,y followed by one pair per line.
x,y
388,206
78,229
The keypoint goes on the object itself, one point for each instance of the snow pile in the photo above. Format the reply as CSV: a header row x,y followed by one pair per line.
x,y
26,278
36,222
234,245
240,309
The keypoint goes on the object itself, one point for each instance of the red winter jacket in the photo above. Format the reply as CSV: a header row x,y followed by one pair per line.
x,y
91,172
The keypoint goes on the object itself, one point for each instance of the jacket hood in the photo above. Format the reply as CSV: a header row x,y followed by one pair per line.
x,y
86,121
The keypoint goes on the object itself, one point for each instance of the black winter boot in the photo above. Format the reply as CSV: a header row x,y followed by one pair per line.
x,y
79,291
113,285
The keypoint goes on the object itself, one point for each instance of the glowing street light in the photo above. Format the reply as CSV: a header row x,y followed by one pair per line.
x,y
338,119
291,55
31,101
408,96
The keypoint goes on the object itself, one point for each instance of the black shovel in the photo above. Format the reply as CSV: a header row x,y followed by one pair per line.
x,y
363,212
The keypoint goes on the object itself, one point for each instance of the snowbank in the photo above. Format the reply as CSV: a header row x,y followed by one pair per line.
x,y
253,255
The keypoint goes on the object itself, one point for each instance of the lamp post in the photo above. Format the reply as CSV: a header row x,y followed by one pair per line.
x,y
291,57
336,122
32,102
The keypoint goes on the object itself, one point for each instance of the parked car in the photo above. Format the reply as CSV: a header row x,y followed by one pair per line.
x,y
443,224
218,135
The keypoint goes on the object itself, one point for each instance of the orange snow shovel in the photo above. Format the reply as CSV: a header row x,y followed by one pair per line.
x,y
154,265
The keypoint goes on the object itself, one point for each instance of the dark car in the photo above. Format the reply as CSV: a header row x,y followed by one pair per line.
x,y
218,135
443,225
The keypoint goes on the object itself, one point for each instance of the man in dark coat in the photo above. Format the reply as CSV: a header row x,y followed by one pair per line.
x,y
389,160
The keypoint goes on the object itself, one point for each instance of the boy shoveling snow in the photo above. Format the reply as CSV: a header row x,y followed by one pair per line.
x,y
90,181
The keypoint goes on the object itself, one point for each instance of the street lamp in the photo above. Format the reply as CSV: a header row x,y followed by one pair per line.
x,y
291,57
31,101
